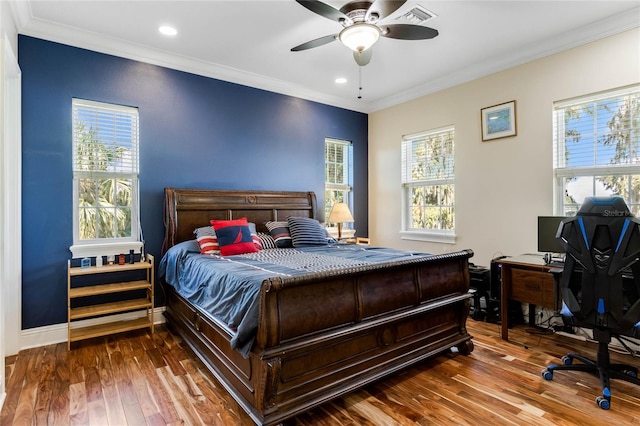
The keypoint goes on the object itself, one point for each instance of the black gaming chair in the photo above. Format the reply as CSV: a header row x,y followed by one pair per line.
x,y
600,285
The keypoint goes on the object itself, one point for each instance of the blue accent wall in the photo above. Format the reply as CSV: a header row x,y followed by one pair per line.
x,y
195,132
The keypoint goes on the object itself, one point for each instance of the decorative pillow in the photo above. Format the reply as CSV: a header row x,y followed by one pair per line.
x,y
306,232
327,235
207,240
234,236
280,233
254,235
267,241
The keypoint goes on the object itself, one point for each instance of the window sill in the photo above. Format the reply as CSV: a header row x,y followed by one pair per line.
x,y
104,249
433,237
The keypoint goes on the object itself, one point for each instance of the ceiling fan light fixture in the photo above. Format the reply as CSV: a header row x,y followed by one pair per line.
x,y
359,37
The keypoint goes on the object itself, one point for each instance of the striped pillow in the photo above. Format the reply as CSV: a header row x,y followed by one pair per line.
x,y
306,232
254,236
267,241
207,240
280,233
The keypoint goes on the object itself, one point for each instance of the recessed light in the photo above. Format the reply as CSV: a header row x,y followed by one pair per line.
x,y
167,30
340,80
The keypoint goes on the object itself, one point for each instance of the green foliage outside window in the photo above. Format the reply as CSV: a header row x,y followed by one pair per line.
x,y
428,177
337,178
104,202
600,139
432,207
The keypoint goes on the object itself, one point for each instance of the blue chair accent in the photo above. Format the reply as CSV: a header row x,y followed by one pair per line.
x,y
600,286
565,311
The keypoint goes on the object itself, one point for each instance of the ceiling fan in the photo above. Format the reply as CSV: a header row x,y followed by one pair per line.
x,y
361,26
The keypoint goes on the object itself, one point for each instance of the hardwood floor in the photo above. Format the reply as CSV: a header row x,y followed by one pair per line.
x,y
137,379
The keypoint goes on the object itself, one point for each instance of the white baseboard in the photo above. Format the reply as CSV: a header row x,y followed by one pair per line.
x,y
52,334
586,335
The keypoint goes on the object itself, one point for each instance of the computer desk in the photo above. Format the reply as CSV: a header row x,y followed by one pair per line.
x,y
526,279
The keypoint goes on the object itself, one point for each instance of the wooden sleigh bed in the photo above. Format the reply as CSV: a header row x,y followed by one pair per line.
x,y
320,335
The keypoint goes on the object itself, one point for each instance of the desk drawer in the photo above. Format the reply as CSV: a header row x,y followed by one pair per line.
x,y
532,287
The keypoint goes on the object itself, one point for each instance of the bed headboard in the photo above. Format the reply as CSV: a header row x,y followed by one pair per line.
x,y
188,209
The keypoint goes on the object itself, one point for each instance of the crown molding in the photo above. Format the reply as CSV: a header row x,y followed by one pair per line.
x,y
38,28
28,25
610,26
20,12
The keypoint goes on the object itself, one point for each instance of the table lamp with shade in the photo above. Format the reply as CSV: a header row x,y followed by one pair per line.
x,y
340,213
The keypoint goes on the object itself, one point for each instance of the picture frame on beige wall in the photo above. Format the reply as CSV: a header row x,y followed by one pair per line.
x,y
498,121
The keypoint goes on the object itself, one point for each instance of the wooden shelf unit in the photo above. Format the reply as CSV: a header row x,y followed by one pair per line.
x,y
108,309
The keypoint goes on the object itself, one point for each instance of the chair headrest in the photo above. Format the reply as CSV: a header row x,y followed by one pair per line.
x,y
605,207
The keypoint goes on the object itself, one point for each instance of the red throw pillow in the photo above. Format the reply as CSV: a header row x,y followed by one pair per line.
x,y
234,236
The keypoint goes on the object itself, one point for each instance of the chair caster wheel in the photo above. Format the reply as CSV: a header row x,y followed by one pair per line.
x,y
631,373
603,403
547,374
566,360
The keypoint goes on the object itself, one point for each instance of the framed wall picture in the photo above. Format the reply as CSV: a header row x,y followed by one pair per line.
x,y
498,121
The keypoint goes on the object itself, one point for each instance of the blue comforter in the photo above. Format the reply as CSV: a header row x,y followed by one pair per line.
x,y
228,287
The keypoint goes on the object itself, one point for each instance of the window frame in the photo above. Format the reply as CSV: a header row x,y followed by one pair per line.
x,y
111,245
561,172
447,236
346,187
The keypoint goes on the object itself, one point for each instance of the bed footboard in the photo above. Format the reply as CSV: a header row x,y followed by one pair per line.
x,y
324,335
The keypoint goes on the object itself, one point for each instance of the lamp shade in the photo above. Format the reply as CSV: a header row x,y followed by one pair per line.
x,y
359,37
340,213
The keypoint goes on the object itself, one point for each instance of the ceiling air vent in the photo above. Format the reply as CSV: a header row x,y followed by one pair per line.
x,y
416,15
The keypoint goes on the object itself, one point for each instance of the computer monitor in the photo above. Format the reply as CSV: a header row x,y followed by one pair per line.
x,y
547,229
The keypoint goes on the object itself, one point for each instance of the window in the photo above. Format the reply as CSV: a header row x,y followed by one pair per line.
x,y
428,186
597,149
105,178
337,173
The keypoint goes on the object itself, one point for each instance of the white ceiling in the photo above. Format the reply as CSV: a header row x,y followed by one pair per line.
x,y
249,42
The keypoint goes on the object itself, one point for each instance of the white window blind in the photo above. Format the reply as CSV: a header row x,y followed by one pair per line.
x,y
428,179
105,172
597,148
105,138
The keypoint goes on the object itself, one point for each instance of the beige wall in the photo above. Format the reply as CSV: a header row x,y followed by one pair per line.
x,y
501,185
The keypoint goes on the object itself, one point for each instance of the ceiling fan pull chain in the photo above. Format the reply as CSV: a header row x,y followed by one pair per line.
x,y
359,82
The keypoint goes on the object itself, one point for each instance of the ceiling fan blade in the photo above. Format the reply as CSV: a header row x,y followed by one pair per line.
x,y
324,9
383,8
315,43
408,32
363,58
